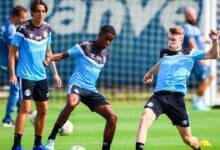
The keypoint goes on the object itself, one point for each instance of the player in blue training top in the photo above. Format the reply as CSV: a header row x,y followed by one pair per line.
x,y
90,58
173,70
7,32
201,69
32,41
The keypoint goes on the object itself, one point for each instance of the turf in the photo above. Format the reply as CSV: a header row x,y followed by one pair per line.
x,y
88,129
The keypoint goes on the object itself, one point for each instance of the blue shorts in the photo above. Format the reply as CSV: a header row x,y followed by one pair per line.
x,y
170,103
38,90
90,99
201,72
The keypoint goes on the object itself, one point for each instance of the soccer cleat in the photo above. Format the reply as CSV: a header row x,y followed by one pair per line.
x,y
19,147
38,147
8,123
49,145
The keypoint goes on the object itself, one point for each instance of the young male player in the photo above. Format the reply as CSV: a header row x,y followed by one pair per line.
x,y
90,58
32,41
173,70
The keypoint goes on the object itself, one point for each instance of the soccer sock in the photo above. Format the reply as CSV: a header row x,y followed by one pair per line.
x,y
106,145
54,132
139,146
17,139
37,140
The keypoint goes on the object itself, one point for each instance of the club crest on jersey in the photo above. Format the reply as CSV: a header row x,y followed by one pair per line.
x,y
31,35
45,34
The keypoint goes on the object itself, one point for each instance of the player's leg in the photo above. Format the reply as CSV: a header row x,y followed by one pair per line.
x,y
110,126
187,137
40,96
11,103
72,102
20,121
204,77
40,122
26,91
147,118
204,84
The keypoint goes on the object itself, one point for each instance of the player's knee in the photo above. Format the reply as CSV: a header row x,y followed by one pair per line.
x,y
72,103
24,110
42,112
113,119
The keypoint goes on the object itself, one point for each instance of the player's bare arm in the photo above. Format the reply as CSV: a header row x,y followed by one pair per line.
x,y
12,59
54,69
55,57
213,53
148,77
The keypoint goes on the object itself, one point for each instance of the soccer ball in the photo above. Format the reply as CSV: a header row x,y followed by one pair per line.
x,y
77,147
32,116
67,128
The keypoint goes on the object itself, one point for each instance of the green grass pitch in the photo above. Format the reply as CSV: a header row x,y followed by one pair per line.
x,y
88,129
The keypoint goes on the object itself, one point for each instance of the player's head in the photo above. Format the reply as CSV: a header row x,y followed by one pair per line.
x,y
18,15
175,38
190,15
38,10
106,35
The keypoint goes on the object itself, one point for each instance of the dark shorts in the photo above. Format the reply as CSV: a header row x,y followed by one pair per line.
x,y
169,103
36,90
201,72
90,99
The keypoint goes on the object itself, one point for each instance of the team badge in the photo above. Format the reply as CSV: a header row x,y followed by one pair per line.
x,y
27,92
76,91
150,104
45,34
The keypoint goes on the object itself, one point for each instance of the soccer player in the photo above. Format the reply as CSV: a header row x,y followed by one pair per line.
x,y
7,33
32,41
173,70
90,58
202,70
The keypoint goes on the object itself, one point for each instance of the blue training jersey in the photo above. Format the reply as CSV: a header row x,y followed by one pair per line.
x,y
32,43
7,32
175,69
89,62
192,31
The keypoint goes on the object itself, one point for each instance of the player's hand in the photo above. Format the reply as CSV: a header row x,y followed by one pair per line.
x,y
148,78
13,79
58,81
46,61
213,35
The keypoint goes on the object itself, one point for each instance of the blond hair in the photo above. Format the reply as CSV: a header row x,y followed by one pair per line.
x,y
177,30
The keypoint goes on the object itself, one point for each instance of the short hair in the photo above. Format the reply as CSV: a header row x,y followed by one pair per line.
x,y
177,30
38,2
109,29
17,10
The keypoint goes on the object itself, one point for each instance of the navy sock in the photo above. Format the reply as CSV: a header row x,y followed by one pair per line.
x,y
139,146
54,132
106,145
17,139
37,140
